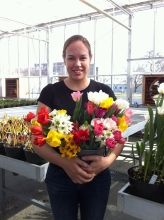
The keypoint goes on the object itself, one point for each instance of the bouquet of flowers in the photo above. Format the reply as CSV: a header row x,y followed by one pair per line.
x,y
99,123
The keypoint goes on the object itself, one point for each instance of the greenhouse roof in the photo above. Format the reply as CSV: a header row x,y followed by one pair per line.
x,y
23,15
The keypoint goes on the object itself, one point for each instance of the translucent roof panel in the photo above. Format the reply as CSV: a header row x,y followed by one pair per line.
x,y
18,14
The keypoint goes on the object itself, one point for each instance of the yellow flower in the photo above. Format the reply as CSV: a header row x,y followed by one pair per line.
x,y
62,111
69,149
63,151
54,138
69,138
122,125
35,123
106,103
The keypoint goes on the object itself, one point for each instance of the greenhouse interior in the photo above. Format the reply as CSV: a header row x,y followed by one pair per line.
x,y
126,39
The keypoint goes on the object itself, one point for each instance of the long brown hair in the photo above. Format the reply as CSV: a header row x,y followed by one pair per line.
x,y
75,38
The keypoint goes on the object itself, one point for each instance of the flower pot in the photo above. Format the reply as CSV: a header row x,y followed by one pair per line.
x,y
153,192
33,158
2,150
15,152
100,152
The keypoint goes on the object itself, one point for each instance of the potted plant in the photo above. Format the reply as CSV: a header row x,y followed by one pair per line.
x,y
15,135
2,134
30,155
147,178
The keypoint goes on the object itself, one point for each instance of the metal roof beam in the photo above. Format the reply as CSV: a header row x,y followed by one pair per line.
x,y
94,15
8,34
119,7
18,22
104,13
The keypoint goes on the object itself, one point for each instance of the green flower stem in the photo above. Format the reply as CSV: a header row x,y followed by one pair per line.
x,y
151,140
77,110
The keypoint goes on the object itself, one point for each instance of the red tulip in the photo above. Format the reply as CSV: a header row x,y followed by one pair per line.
x,y
39,140
43,116
36,130
29,116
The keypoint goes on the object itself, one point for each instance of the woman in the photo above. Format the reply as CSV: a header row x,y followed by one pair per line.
x,y
72,181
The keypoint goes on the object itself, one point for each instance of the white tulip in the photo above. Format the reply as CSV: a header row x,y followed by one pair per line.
x,y
161,109
161,88
122,104
97,97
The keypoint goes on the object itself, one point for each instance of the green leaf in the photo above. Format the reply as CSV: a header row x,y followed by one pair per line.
x,y
110,112
146,132
151,128
134,161
138,147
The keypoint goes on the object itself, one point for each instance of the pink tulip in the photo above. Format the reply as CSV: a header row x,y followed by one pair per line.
x,y
129,112
117,135
127,120
115,119
98,129
111,143
76,96
100,112
122,141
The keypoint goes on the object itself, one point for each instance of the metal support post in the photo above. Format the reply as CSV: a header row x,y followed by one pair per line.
x,y
2,193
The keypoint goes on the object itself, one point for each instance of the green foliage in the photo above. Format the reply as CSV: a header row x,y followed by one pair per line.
x,y
154,140
7,103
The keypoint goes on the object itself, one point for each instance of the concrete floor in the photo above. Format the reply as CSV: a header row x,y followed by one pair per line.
x,y
17,209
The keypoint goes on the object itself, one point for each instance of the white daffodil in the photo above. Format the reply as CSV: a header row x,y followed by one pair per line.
x,y
61,123
100,139
64,130
161,88
97,97
53,113
84,127
122,104
107,134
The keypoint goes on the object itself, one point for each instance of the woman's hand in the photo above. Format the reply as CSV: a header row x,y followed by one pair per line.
x,y
97,165
75,169
100,163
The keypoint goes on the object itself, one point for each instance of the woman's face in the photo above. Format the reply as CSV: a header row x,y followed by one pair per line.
x,y
77,60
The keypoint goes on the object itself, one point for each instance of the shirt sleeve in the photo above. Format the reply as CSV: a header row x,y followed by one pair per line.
x,y
46,96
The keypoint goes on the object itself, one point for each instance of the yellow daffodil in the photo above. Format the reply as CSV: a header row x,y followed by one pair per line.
x,y
62,111
106,103
122,125
54,138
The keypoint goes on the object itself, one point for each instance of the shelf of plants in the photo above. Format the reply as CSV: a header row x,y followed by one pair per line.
x,y
32,171
35,172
